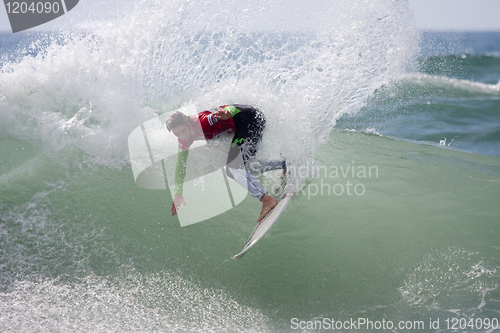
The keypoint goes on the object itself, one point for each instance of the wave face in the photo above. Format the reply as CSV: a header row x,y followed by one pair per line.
x,y
452,101
381,229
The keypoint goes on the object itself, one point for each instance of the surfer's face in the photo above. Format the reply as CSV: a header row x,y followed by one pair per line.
x,y
182,132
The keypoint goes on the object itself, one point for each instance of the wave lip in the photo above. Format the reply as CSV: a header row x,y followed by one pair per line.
x,y
447,82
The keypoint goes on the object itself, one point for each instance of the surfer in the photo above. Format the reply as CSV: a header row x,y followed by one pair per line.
x,y
247,123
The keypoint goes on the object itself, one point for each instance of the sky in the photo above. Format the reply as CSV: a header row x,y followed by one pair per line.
x,y
456,15
429,15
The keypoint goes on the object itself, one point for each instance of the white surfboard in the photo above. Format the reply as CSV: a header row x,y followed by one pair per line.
x,y
263,227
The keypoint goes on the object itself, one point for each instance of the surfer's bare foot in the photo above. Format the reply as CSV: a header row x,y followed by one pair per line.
x,y
268,203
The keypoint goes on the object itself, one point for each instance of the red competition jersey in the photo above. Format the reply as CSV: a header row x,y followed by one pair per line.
x,y
205,126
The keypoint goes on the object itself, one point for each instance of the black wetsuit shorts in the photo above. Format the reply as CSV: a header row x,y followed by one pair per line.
x,y
250,124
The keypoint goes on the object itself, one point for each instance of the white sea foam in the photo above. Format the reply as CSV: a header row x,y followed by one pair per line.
x,y
303,66
449,271
159,302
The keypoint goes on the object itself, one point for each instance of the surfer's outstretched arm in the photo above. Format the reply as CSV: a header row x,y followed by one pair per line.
x,y
180,175
178,201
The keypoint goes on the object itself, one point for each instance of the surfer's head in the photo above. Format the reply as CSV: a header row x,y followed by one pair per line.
x,y
177,123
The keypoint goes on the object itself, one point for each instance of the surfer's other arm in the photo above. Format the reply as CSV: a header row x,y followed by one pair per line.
x,y
227,113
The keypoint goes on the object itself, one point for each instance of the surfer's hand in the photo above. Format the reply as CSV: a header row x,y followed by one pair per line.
x,y
223,114
178,200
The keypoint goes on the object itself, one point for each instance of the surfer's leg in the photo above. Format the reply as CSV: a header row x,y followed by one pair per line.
x,y
235,169
250,124
248,181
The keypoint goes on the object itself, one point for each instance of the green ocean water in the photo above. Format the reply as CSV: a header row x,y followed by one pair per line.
x,y
395,148
419,243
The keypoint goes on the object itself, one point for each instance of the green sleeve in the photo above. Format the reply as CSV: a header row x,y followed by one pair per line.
x,y
180,170
232,109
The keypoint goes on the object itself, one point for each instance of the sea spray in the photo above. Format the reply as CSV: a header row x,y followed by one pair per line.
x,y
302,66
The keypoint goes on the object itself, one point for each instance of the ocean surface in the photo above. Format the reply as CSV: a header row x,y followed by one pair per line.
x,y
393,135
